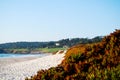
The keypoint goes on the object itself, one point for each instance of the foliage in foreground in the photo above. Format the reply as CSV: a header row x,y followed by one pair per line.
x,y
98,61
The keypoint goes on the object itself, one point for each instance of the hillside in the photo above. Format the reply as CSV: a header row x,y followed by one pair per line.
x,y
97,61
27,47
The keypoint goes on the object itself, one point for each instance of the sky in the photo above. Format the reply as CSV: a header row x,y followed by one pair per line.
x,y
52,20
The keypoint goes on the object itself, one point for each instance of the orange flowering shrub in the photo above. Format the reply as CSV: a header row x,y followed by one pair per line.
x,y
98,61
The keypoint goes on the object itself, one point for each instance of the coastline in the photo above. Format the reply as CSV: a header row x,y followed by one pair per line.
x,y
12,60
22,67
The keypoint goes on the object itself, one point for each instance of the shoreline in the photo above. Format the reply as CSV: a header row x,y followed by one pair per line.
x,y
11,60
20,68
17,55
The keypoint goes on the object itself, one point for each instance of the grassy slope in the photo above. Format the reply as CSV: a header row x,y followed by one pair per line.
x,y
49,50
45,50
99,61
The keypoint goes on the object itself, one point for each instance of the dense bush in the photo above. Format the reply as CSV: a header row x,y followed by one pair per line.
x,y
98,61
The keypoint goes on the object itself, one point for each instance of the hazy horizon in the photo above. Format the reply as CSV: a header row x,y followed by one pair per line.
x,y
51,40
52,20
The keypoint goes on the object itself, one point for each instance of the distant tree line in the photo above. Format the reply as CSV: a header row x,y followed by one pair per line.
x,y
74,41
51,44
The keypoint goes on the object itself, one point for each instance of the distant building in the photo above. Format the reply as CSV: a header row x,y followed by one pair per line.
x,y
57,44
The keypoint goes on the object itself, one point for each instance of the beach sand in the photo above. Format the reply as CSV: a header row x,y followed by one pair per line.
x,y
20,68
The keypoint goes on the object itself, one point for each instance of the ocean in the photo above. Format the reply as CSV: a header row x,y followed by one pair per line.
x,y
9,55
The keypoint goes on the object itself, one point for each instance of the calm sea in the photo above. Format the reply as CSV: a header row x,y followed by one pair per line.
x,y
9,55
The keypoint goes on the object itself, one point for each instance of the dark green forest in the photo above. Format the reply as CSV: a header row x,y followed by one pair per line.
x,y
51,44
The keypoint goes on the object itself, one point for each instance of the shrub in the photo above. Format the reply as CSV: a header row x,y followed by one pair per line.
x,y
97,61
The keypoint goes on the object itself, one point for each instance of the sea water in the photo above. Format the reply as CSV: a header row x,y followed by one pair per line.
x,y
9,55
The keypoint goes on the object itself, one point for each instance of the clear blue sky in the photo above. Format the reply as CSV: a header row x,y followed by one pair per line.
x,y
51,20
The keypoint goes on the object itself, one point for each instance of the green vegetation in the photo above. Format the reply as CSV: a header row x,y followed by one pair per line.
x,y
49,50
17,50
44,50
26,47
97,61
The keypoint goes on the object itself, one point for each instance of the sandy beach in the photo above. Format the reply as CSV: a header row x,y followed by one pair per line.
x,y
20,68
